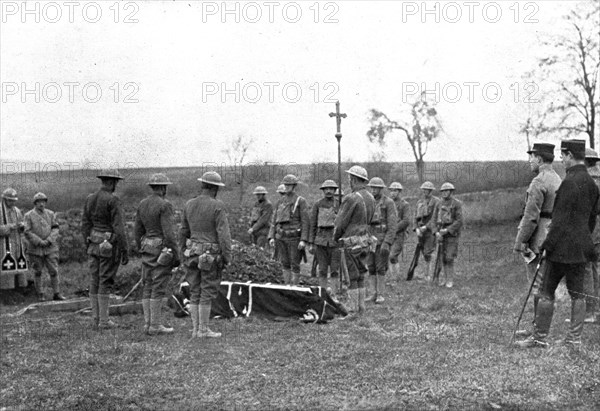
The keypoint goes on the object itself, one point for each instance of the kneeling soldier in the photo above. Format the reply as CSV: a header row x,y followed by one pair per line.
x,y
449,223
383,226
321,242
206,246
155,238
41,230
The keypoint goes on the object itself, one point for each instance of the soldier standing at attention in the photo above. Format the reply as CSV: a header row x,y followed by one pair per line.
x,y
383,226
449,224
289,227
206,245
352,230
103,228
537,214
155,238
261,217
568,246
320,238
41,229
425,224
403,213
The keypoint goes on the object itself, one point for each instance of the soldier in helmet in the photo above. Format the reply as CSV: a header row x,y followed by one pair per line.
x,y
11,227
352,230
206,245
103,228
403,212
155,238
261,217
383,226
41,230
281,190
537,214
320,239
592,281
449,223
425,223
289,227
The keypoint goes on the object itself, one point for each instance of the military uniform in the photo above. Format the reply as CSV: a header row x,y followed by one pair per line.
x,y
403,212
289,225
10,216
450,218
592,284
155,238
260,222
425,215
41,226
322,220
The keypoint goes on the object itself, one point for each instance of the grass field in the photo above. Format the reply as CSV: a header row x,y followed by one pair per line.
x,y
425,348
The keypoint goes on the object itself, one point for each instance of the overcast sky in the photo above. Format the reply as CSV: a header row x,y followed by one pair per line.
x,y
163,74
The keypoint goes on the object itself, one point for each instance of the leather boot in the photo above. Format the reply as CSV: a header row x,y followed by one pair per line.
x,y
203,330
104,322
577,317
352,306
194,313
156,326
543,320
526,332
37,282
362,292
146,309
380,289
94,307
372,288
287,276
57,296
449,272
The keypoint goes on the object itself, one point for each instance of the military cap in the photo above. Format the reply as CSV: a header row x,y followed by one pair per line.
x,y
10,194
260,190
539,148
328,184
39,197
110,173
159,179
591,154
212,177
574,146
359,172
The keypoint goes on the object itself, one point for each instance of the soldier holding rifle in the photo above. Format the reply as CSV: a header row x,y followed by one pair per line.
x,y
425,226
449,223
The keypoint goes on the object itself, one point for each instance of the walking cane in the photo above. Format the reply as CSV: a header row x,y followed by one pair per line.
x,y
535,275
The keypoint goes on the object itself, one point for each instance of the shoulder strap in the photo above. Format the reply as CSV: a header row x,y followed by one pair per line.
x,y
296,204
363,203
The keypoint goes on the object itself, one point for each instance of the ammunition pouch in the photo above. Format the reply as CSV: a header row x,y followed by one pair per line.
x,y
97,237
379,228
201,255
100,245
360,244
151,245
282,234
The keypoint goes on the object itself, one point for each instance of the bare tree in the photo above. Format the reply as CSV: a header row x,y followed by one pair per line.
x,y
420,128
236,150
571,66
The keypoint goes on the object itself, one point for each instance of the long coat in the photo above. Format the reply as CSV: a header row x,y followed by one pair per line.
x,y
569,240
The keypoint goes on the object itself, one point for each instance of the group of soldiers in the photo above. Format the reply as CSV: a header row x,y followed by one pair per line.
x,y
363,234
559,237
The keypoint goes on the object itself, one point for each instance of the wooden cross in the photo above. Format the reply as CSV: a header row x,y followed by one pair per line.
x,y
338,118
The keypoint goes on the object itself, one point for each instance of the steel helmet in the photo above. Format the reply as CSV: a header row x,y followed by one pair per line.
x,y
39,197
447,186
281,188
10,194
328,184
290,179
591,154
376,182
110,173
396,186
159,179
359,172
212,177
427,185
260,190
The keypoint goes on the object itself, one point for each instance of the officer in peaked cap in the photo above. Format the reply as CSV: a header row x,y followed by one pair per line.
x,y
103,227
537,214
260,217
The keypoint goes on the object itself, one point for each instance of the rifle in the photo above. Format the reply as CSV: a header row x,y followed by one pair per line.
x,y
415,260
537,271
344,276
275,255
313,268
438,261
